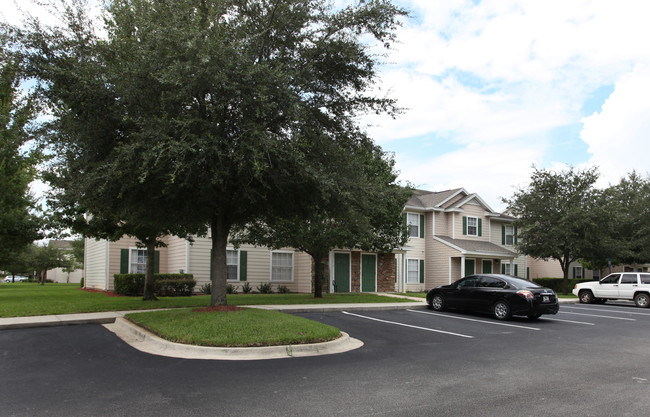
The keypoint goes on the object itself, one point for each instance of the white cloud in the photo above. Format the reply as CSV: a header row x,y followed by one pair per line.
x,y
618,135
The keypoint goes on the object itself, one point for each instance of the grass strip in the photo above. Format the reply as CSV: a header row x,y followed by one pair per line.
x,y
31,299
243,328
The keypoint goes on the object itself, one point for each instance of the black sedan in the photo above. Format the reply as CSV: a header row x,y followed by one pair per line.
x,y
501,295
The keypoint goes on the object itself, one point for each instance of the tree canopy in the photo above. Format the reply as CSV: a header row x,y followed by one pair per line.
x,y
558,216
19,225
204,111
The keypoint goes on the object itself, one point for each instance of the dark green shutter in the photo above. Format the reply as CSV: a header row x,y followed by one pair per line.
x,y
421,271
503,234
503,268
243,260
156,262
422,225
464,225
515,237
480,227
574,272
124,261
516,274
404,220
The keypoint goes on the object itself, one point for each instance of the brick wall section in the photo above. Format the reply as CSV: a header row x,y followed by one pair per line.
x,y
386,273
355,261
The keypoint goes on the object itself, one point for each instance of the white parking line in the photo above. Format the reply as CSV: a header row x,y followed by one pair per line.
x,y
407,325
570,321
478,321
597,315
612,311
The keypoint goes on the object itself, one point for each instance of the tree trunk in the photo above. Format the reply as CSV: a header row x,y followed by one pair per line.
x,y
219,274
565,271
319,273
148,293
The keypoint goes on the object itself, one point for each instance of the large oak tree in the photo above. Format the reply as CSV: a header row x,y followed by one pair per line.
x,y
207,103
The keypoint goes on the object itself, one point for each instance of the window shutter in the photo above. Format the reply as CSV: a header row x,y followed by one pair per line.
x,y
404,220
124,261
243,260
156,262
515,237
421,271
574,272
480,227
422,225
503,234
464,225
516,274
503,268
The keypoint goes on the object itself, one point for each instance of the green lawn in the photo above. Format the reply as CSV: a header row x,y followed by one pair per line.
x,y
31,299
244,328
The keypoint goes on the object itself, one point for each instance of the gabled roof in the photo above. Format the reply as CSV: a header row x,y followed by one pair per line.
x,y
449,200
476,247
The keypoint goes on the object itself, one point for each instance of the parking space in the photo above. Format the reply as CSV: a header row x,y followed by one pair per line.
x,y
574,320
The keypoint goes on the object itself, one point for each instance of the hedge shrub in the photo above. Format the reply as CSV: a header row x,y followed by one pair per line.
x,y
556,284
168,285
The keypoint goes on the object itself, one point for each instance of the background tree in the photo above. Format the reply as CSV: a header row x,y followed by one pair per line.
x,y
628,207
19,225
44,258
364,210
558,217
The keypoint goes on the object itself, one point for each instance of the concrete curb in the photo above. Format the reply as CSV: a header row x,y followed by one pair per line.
x,y
147,342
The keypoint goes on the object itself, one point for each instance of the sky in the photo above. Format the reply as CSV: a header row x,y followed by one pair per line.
x,y
492,88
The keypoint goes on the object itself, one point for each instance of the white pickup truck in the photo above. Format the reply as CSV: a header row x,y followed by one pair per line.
x,y
619,286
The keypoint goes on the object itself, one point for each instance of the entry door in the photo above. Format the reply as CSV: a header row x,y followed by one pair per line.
x,y
487,267
368,273
469,267
341,272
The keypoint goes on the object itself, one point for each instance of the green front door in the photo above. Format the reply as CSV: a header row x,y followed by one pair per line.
x,y
341,272
469,267
487,267
368,273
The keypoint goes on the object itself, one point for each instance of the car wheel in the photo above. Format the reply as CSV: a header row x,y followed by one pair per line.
x,y
437,303
642,300
534,316
501,310
586,297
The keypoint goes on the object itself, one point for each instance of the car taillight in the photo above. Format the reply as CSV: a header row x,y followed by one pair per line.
x,y
528,295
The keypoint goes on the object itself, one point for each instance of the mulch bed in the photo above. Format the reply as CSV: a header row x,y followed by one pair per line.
x,y
108,293
217,308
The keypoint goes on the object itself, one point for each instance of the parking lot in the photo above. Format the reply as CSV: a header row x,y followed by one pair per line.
x,y
588,360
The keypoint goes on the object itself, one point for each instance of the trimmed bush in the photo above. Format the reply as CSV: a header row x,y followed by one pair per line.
x,y
206,288
265,288
246,288
556,283
168,285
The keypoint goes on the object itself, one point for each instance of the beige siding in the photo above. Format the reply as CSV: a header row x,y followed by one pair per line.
x,y
540,268
473,211
61,276
176,256
95,252
258,267
115,254
439,264
442,224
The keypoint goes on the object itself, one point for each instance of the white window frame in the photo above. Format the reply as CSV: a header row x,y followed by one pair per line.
x,y
230,264
509,235
408,271
475,226
579,272
507,269
133,261
272,266
412,223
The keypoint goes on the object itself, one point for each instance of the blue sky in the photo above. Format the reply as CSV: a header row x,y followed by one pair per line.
x,y
494,87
